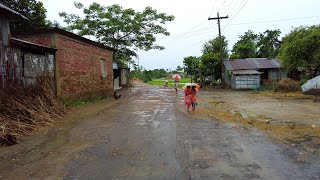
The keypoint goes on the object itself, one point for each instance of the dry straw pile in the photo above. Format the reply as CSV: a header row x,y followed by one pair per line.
x,y
26,108
287,85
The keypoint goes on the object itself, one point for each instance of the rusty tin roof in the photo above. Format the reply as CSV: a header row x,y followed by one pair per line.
x,y
252,64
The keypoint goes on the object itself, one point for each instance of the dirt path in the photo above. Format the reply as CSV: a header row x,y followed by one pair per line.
x,y
148,135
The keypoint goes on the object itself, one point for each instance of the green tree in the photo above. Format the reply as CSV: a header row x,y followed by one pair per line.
x,y
179,69
268,44
301,49
191,64
32,9
246,47
123,29
147,76
211,56
159,73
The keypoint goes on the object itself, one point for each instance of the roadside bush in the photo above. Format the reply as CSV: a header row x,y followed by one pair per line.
x,y
287,85
302,81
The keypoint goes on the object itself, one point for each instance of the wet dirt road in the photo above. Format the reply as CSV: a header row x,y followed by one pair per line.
x,y
149,135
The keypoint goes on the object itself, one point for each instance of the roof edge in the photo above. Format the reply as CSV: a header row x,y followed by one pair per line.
x,y
66,33
11,11
16,40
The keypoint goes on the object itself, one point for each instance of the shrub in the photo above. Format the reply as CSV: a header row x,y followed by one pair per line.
x,y
302,81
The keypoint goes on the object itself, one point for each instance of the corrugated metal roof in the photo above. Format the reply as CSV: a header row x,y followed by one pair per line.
x,y
245,72
252,63
11,11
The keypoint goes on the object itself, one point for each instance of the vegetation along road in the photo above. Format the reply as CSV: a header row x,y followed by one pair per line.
x,y
148,134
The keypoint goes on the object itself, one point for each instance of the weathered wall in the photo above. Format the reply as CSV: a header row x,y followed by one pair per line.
x,y
4,30
246,82
24,65
79,66
277,74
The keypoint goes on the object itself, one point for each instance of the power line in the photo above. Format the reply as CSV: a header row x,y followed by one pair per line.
x,y
213,6
236,14
276,20
235,5
229,35
225,10
182,34
222,5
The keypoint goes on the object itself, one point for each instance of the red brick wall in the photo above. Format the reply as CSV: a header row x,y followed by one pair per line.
x,y
78,66
40,39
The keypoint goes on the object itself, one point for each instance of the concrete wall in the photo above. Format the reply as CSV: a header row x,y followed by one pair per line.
x,y
79,66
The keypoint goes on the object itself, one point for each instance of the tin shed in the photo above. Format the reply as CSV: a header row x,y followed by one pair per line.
x,y
269,70
245,79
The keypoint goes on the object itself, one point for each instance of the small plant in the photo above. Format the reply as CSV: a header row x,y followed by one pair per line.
x,y
302,81
81,102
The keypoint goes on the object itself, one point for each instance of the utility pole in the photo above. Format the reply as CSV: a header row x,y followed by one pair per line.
x,y
221,50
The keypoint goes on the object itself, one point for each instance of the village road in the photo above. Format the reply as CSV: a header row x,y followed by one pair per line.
x,y
151,136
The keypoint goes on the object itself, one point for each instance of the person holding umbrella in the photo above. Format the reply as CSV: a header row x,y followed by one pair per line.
x,y
190,98
176,78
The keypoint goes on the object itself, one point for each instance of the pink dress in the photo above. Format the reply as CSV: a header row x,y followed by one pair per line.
x,y
187,97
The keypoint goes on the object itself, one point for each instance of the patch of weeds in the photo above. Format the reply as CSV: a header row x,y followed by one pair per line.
x,y
267,87
81,102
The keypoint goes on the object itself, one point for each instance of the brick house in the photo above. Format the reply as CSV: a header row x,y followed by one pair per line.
x,y
83,67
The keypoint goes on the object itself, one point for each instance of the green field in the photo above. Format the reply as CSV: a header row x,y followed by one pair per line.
x,y
160,82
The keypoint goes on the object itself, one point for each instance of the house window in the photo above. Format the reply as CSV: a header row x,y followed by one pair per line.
x,y
103,68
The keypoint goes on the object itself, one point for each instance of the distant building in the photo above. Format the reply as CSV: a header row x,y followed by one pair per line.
x,y
250,73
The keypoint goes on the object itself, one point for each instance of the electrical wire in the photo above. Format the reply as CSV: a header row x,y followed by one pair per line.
x,y
235,5
236,14
186,33
276,20
225,10
222,5
213,4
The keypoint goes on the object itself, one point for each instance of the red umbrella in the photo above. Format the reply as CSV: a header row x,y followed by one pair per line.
x,y
176,77
191,84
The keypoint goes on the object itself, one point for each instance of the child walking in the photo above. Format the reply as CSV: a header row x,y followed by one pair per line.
x,y
193,94
187,97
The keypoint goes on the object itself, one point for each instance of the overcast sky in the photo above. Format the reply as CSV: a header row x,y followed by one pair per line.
x,y
191,27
